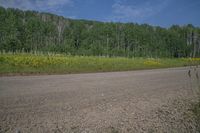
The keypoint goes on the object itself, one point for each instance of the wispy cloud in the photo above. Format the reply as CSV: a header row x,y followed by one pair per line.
x,y
42,5
121,10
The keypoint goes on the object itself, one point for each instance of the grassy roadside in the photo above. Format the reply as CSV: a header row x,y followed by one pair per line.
x,y
56,64
196,111
196,89
193,103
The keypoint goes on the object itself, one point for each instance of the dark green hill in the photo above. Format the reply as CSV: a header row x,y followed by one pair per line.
x,y
33,31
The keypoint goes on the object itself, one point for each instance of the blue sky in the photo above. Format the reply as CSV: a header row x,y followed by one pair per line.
x,y
155,12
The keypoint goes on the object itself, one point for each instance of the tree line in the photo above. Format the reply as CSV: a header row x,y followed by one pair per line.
x,y
34,31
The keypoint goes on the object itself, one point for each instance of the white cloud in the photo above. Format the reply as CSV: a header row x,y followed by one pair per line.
x,y
42,5
125,12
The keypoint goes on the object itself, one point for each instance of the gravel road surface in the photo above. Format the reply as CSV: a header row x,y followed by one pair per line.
x,y
98,102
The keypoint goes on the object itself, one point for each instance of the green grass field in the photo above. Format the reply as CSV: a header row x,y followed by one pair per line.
x,y
62,64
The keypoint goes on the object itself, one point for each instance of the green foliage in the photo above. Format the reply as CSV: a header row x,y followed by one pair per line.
x,y
54,63
32,31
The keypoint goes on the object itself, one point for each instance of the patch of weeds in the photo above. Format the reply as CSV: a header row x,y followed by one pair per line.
x,y
75,129
196,111
112,130
50,64
196,105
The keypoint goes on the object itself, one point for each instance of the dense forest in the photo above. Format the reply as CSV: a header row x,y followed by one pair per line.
x,y
34,31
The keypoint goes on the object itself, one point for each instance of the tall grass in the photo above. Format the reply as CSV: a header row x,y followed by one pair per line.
x,y
56,63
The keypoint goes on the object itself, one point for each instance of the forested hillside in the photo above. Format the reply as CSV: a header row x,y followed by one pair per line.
x,y
33,31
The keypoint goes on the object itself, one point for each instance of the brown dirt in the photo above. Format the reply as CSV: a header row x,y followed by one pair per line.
x,y
134,101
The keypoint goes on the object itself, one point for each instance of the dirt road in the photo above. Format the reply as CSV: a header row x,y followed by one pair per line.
x,y
97,102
